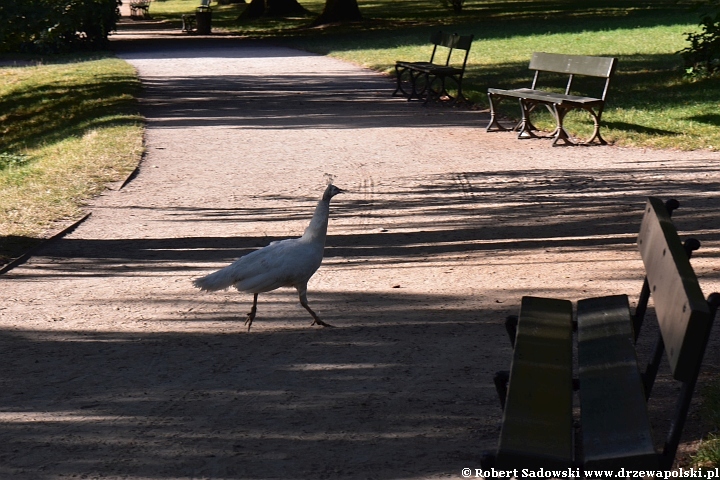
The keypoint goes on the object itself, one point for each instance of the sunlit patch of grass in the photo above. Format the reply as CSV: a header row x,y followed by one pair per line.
x,y
68,129
650,103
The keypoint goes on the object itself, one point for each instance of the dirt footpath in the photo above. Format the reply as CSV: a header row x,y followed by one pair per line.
x,y
113,366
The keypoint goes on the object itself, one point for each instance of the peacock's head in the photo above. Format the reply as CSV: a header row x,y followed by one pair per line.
x,y
331,191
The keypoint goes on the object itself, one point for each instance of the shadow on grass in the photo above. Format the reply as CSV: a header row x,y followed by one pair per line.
x,y
629,127
58,108
709,119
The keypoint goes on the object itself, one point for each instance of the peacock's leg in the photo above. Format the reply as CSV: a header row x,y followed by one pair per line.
x,y
251,313
304,303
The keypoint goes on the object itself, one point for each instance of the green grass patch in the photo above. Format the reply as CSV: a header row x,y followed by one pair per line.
x,y
708,455
68,128
650,103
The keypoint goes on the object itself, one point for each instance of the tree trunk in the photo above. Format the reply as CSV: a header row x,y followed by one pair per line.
x,y
337,11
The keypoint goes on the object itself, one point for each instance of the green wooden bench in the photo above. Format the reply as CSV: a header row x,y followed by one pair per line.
x,y
428,80
560,104
538,425
139,8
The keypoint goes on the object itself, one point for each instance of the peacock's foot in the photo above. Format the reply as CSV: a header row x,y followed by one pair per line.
x,y
249,320
321,323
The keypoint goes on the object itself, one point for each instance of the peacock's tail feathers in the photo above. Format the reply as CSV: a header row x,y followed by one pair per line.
x,y
219,280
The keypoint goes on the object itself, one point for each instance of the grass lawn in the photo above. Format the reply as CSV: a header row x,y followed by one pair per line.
x,y
650,104
68,128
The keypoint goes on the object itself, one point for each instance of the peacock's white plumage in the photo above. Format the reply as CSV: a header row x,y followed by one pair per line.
x,y
285,263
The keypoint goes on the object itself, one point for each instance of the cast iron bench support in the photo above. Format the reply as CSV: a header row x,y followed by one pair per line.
x,y
558,103
139,7
428,80
538,426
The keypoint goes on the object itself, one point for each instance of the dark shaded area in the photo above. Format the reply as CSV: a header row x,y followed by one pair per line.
x,y
710,119
287,406
632,127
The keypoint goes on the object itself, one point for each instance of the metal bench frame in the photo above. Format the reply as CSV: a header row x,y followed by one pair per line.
x,y
139,6
427,80
538,426
559,103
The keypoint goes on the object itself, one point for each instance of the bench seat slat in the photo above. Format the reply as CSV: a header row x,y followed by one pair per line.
x,y
547,97
429,67
537,421
615,425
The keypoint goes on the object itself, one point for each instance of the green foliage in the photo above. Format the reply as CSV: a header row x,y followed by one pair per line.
x,y
702,57
11,160
56,26
708,455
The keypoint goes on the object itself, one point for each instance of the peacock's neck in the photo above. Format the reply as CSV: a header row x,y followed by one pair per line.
x,y
317,230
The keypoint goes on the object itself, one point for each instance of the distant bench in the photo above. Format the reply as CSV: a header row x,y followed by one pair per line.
x,y
138,7
538,427
559,103
428,79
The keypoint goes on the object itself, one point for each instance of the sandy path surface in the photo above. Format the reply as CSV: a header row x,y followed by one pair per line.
x,y
113,366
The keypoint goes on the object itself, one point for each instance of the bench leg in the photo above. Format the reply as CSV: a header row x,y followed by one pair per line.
x,y
501,380
561,134
423,89
525,127
437,94
511,324
596,122
494,124
460,95
433,94
399,72
188,22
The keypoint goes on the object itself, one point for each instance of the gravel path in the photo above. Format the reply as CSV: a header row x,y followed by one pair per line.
x,y
113,366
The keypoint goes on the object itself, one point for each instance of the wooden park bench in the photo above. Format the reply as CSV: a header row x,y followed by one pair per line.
x,y
538,428
559,103
139,8
428,79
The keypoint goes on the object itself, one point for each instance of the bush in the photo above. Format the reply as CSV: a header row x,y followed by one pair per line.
x,y
56,26
702,57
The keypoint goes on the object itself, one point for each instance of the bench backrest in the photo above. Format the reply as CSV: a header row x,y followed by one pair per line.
x,y
451,41
683,313
573,64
